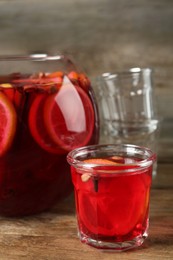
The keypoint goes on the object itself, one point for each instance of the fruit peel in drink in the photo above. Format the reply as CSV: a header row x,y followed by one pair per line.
x,y
8,124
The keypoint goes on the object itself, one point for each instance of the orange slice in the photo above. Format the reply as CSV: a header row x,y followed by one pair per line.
x,y
37,126
80,80
98,162
56,77
84,81
8,122
13,94
73,76
101,161
69,117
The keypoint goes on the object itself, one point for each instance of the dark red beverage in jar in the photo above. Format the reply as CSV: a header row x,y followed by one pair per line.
x,y
47,108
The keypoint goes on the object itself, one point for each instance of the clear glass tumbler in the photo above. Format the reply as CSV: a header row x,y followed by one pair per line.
x,y
127,102
128,108
112,194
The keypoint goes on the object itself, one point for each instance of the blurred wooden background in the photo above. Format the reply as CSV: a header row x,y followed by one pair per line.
x,y
102,35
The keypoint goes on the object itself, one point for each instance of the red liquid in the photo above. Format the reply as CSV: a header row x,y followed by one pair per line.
x,y
34,174
113,208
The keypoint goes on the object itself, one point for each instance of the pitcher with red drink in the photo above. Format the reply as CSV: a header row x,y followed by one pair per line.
x,y
47,108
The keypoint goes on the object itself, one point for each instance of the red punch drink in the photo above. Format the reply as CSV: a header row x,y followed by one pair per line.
x,y
112,191
43,115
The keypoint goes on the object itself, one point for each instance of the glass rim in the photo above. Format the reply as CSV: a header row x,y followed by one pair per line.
x,y
125,72
32,57
111,168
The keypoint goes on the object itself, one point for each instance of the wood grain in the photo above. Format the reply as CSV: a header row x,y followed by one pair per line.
x,y
53,235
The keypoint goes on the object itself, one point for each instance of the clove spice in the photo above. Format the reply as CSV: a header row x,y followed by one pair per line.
x,y
96,182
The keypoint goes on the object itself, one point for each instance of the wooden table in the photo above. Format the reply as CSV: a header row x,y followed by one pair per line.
x,y
52,235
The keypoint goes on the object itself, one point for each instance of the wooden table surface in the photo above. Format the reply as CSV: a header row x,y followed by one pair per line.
x,y
52,235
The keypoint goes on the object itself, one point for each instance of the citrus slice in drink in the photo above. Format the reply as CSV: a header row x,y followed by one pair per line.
x,y
13,94
73,76
8,90
79,79
8,123
69,117
56,77
105,161
84,81
37,126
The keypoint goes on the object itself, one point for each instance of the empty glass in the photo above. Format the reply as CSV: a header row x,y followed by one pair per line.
x,y
127,107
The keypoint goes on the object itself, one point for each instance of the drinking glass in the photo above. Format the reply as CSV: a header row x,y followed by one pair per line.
x,y
128,108
112,193
47,108
127,103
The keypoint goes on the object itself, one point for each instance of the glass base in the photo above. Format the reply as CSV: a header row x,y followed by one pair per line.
x,y
115,246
